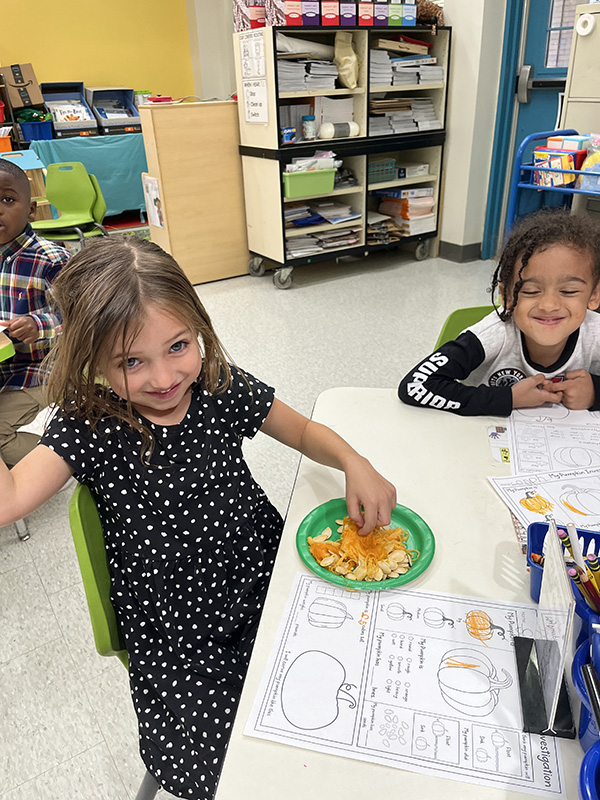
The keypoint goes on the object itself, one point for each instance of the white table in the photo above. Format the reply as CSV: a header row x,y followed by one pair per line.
x,y
439,464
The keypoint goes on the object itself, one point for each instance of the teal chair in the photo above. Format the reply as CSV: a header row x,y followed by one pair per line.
x,y
459,320
86,529
77,197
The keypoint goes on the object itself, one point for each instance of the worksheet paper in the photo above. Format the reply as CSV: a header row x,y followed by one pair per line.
x,y
553,438
566,496
417,680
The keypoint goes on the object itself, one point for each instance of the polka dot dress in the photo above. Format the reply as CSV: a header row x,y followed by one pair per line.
x,y
191,543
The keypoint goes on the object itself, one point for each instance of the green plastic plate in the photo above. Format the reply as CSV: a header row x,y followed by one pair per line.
x,y
324,516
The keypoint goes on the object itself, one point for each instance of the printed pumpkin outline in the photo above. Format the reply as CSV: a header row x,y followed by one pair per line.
x,y
434,618
577,456
469,683
480,626
312,688
587,500
327,612
397,612
534,502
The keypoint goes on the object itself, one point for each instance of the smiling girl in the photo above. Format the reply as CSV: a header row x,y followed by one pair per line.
x,y
151,416
542,346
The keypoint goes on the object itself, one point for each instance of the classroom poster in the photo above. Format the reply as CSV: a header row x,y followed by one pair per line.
x,y
418,680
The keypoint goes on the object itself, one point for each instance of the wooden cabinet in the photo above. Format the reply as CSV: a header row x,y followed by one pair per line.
x,y
192,152
264,109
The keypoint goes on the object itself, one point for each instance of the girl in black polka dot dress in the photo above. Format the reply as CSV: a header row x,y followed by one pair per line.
x,y
151,416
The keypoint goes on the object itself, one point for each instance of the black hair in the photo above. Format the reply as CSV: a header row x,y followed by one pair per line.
x,y
18,174
535,233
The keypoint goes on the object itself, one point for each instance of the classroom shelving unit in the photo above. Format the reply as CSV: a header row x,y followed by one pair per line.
x,y
264,155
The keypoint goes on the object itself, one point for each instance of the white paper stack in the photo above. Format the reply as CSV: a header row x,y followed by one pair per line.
x,y
429,74
300,246
320,75
333,109
405,76
424,114
290,76
380,69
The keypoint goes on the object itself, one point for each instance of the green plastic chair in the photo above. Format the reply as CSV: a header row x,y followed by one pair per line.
x,y
88,537
7,350
79,201
459,320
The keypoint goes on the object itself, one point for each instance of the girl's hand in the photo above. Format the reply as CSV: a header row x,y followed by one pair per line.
x,y
367,488
533,392
23,328
576,390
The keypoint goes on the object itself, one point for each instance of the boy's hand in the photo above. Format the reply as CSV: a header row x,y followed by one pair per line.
x,y
533,392
23,328
367,488
576,390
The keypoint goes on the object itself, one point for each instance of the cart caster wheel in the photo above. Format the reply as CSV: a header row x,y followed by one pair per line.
x,y
256,267
282,279
422,251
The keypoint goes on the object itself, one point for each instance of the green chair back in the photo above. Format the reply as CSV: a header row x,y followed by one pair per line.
x,y
99,207
7,348
86,529
69,189
459,320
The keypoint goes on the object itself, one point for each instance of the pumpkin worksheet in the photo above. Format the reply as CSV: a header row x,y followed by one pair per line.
x,y
566,496
418,680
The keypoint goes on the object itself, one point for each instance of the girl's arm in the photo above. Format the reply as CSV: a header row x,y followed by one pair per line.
x,y
29,484
364,486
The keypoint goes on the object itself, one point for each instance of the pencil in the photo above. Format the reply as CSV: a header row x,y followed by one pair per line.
x,y
591,589
575,545
576,578
564,538
594,566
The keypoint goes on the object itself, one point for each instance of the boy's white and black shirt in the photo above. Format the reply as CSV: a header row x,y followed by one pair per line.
x,y
473,374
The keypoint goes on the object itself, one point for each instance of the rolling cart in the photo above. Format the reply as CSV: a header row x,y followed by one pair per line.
x,y
525,195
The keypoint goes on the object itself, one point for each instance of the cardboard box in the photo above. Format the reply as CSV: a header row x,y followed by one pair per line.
x,y
311,12
293,12
394,14
409,14
347,13
22,86
330,12
365,14
380,14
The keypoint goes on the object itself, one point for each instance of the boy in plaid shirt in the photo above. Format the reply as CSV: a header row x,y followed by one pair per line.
x,y
28,265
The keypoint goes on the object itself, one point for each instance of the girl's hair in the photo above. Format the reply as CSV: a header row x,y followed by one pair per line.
x,y
102,294
535,233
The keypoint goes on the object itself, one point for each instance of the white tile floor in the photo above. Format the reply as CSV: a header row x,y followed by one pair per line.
x,y
67,728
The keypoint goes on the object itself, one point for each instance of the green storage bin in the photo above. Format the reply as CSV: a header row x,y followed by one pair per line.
x,y
300,184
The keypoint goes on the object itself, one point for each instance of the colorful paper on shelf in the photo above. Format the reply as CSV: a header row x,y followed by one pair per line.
x,y
347,13
330,12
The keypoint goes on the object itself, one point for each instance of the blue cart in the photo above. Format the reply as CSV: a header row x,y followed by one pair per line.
x,y
525,195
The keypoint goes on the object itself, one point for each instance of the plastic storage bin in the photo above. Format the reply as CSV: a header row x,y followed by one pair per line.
x,y
588,730
114,109
5,144
36,130
382,170
536,533
1,111
60,94
589,774
301,184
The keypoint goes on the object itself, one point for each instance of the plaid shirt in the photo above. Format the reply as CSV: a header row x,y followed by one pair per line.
x,y
28,265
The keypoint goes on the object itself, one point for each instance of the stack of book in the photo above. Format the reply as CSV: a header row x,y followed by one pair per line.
x,y
412,211
301,246
391,115
380,69
299,76
335,213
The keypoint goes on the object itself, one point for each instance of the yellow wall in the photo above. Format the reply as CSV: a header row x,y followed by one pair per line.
x,y
141,44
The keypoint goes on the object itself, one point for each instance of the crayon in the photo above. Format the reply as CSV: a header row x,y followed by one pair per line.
x,y
539,560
